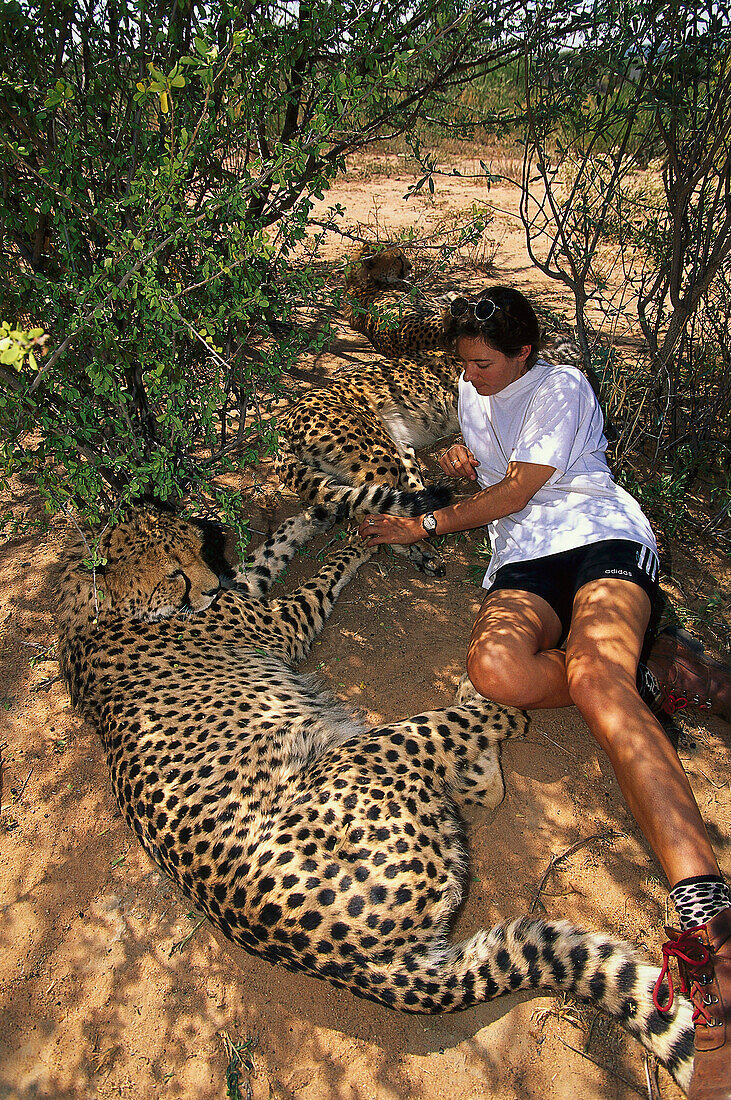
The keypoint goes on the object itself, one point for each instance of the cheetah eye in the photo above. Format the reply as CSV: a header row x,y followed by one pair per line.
x,y
186,583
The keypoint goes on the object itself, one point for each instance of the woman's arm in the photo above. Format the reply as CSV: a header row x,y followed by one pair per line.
x,y
521,482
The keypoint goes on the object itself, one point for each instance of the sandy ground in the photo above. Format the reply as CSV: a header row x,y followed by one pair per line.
x,y
111,986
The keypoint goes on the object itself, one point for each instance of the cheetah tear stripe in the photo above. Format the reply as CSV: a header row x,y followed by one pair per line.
x,y
307,837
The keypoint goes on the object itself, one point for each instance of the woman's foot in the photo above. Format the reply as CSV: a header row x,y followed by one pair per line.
x,y
703,954
685,676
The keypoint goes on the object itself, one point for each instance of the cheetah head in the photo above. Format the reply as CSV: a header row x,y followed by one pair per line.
x,y
381,266
155,564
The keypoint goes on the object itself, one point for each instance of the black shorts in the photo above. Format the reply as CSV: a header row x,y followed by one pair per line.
x,y
558,577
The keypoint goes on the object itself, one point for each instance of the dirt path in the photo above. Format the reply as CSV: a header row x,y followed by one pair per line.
x,y
109,985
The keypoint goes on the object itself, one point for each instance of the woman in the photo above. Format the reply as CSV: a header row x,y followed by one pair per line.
x,y
574,560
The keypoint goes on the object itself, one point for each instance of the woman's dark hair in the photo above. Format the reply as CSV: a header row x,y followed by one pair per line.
x,y
512,325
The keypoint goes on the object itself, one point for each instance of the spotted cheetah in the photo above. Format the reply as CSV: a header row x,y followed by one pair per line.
x,y
402,331
367,424
405,331
305,836
363,430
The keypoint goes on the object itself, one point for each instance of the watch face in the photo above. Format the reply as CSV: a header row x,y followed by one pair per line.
x,y
429,523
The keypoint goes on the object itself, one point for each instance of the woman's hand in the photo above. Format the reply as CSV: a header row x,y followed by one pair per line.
x,y
399,530
458,461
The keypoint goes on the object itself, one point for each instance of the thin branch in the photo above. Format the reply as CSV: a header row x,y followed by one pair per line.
x,y
608,836
606,1069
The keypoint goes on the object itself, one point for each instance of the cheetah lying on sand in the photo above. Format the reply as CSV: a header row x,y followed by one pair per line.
x,y
372,279
400,329
364,429
366,425
308,838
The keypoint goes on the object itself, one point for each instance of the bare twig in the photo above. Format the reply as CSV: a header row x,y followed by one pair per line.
x,y
42,649
587,1041
19,795
653,1085
718,786
47,682
561,747
608,835
180,944
70,517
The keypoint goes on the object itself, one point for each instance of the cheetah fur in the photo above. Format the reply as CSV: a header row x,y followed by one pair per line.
x,y
363,431
377,277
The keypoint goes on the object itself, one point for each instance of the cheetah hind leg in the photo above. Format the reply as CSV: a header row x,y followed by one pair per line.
x,y
260,569
479,782
305,611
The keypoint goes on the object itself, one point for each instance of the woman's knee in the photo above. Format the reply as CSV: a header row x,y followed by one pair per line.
x,y
597,689
495,673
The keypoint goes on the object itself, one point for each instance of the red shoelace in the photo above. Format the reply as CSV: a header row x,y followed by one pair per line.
x,y
677,701
678,949
673,702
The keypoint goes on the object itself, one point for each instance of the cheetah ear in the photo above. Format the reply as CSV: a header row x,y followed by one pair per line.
x,y
369,261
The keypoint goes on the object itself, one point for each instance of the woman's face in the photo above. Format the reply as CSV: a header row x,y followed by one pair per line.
x,y
486,368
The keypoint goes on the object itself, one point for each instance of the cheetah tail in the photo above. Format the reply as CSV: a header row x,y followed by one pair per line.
x,y
533,954
382,498
347,501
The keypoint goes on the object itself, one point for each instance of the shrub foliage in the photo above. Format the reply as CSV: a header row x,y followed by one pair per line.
x,y
160,165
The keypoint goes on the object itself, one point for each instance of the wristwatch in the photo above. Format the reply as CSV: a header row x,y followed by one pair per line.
x,y
429,523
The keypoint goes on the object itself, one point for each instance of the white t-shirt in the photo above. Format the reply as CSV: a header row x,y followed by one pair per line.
x,y
551,417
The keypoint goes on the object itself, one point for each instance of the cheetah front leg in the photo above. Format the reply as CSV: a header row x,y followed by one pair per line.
x,y
303,613
260,569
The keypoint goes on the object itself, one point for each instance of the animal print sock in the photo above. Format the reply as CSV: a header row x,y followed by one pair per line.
x,y
698,899
649,689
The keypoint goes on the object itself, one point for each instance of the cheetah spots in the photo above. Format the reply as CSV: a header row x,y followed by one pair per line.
x,y
363,431
311,920
356,905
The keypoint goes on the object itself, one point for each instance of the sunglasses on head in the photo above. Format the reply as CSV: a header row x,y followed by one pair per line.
x,y
482,309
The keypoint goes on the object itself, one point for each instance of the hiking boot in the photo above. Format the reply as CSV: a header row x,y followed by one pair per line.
x,y
687,677
704,961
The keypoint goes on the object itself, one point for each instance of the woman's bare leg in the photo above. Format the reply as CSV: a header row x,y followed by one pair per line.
x,y
512,657
512,660
602,651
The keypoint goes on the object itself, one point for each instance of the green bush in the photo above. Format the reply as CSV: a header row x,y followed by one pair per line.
x,y
160,164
